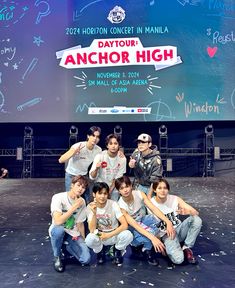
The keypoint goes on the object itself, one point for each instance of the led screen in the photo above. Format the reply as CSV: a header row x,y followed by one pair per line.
x,y
104,61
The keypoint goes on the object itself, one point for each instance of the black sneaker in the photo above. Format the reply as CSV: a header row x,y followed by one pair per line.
x,y
150,256
101,257
58,264
189,257
118,258
136,251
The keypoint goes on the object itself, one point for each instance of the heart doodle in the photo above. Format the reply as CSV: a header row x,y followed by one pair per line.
x,y
211,51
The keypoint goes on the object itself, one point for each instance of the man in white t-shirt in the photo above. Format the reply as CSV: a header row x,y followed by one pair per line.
x,y
68,211
80,156
179,248
107,225
144,227
109,165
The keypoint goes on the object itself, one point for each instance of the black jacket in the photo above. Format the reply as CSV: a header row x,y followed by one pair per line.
x,y
148,168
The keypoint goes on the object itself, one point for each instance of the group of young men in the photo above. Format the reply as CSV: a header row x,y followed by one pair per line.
x,y
118,212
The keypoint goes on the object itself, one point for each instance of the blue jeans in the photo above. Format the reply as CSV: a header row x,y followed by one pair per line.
x,y
142,188
77,248
115,195
150,223
186,232
68,182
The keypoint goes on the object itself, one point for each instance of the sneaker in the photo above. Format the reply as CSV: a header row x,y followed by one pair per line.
x,y
150,256
136,251
101,257
58,264
118,258
188,256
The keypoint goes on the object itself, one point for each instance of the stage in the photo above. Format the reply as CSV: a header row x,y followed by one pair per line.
x,y
26,256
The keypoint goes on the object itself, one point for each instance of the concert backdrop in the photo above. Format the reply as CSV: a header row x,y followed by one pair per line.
x,y
120,61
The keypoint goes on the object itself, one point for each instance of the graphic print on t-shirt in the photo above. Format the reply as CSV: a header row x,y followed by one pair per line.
x,y
104,222
173,218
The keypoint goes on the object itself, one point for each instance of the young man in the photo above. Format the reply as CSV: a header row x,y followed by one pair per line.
x,y
80,156
144,227
186,231
107,225
68,211
109,165
146,163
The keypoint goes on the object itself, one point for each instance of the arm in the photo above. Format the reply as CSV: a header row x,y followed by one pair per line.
x,y
169,227
157,169
157,244
70,153
132,161
123,226
120,173
95,167
186,209
81,229
60,218
112,186
92,220
150,193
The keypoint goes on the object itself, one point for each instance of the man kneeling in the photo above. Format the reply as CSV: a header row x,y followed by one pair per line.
x,y
107,225
68,210
186,231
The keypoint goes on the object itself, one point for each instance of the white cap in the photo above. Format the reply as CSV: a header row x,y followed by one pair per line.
x,y
144,137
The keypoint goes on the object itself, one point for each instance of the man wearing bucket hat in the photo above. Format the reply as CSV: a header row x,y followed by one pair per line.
x,y
146,163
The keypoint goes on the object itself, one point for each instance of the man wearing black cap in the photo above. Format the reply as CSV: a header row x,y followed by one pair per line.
x,y
146,163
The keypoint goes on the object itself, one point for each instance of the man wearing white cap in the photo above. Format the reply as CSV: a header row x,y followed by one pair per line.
x,y
146,163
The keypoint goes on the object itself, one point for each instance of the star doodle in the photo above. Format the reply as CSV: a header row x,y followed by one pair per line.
x,y
37,40
15,66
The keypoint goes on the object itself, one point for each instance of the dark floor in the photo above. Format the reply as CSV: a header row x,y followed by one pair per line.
x,y
26,257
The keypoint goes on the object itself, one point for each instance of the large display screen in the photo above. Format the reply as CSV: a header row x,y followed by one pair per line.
x,y
105,60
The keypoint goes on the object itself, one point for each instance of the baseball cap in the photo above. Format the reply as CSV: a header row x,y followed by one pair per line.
x,y
144,137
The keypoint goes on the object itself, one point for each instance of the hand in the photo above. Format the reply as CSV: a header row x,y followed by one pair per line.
x,y
98,165
79,148
170,230
78,203
158,245
93,206
104,236
132,162
121,154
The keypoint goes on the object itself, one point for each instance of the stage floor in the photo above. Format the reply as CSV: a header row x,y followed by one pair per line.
x,y
26,256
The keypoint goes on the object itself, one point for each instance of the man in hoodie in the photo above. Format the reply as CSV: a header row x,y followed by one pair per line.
x,y
146,163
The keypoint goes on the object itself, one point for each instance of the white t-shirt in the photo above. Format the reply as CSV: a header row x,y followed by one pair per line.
x,y
136,209
79,163
169,209
107,217
115,167
62,203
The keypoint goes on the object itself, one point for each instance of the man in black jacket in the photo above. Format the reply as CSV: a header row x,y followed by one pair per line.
x,y
146,163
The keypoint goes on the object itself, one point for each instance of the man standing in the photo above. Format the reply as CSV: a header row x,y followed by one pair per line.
x,y
80,156
109,165
146,163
